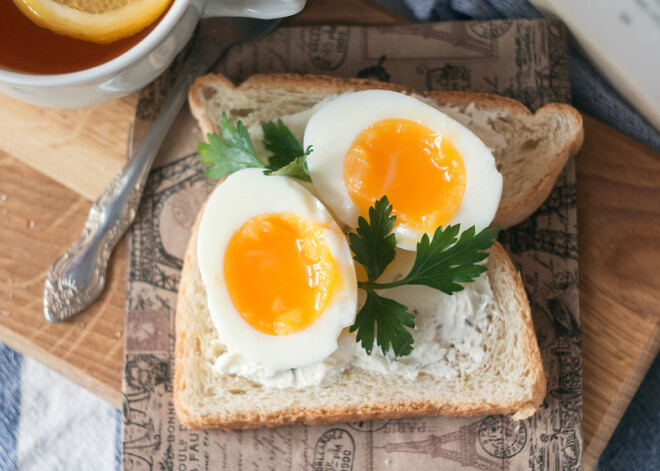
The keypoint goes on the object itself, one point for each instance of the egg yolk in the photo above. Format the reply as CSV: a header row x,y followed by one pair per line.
x,y
421,173
279,272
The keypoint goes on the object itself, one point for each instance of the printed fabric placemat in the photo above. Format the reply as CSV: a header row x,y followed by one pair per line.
x,y
523,59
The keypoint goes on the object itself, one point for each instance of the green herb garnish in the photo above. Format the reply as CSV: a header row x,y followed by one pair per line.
x,y
441,262
233,151
282,143
297,168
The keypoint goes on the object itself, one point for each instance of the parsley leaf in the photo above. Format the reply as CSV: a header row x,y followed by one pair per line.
x,y
373,245
441,262
233,153
388,319
297,168
445,261
282,143
237,137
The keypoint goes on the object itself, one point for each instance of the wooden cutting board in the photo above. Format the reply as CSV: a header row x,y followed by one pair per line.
x,y
53,162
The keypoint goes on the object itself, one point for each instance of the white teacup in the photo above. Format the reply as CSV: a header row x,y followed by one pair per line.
x,y
141,64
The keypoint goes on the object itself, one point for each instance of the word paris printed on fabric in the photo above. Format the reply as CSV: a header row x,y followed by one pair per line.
x,y
523,59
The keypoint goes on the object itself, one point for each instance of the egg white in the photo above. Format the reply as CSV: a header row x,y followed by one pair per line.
x,y
334,127
242,196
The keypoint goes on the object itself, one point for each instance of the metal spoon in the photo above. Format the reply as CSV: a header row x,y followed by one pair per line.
x,y
78,276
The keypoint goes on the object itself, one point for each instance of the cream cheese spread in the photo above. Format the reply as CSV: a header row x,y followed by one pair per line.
x,y
448,339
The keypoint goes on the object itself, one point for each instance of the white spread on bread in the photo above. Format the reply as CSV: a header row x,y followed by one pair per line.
x,y
479,122
448,341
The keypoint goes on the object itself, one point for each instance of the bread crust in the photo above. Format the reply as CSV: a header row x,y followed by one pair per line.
x,y
539,378
510,212
185,354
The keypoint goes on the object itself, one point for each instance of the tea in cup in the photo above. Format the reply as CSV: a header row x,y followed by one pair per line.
x,y
48,69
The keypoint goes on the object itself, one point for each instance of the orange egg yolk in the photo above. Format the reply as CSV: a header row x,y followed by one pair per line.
x,y
421,173
279,272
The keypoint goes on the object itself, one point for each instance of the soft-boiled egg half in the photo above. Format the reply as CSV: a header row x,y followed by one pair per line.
x,y
433,170
277,269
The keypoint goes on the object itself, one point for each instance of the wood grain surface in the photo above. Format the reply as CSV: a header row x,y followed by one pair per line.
x,y
53,162
618,195
82,149
39,218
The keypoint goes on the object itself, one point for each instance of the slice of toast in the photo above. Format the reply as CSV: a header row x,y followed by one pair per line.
x,y
530,149
510,380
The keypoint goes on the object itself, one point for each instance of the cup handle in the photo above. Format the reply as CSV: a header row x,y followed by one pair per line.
x,y
265,9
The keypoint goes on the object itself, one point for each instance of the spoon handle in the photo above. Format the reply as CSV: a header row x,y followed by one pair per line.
x,y
78,276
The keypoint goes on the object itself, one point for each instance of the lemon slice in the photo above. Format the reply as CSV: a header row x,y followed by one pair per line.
x,y
99,21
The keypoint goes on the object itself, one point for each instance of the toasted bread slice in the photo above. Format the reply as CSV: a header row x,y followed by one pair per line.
x,y
510,379
530,149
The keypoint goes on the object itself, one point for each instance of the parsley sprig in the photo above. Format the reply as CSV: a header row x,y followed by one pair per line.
x,y
233,151
441,262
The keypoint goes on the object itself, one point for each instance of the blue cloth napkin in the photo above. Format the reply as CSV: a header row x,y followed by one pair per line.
x,y
591,93
49,423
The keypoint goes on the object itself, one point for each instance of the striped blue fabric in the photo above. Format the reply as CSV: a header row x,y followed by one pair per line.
x,y
10,403
49,423
118,423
